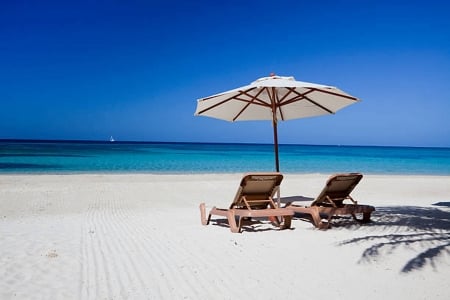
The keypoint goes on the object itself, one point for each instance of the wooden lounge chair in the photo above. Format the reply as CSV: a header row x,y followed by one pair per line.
x,y
253,200
330,201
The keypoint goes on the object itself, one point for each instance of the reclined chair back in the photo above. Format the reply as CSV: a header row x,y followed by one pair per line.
x,y
256,190
337,189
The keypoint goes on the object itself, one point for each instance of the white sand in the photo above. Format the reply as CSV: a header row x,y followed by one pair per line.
x,y
140,237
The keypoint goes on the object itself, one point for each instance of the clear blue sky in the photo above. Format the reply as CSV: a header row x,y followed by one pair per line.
x,y
134,69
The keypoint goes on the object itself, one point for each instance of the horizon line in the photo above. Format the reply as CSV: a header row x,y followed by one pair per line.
x,y
89,141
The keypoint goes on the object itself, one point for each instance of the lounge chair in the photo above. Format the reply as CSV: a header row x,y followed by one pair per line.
x,y
330,201
253,200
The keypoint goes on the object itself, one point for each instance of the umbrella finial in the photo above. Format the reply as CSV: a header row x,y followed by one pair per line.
x,y
272,74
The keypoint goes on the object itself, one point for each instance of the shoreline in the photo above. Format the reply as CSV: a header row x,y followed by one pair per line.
x,y
139,236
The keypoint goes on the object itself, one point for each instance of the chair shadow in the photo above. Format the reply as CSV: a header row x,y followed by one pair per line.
x,y
339,221
424,228
250,225
443,204
291,199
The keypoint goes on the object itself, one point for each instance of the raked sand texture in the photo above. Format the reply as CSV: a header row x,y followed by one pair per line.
x,y
140,237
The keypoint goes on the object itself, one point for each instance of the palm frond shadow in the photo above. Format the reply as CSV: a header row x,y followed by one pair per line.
x,y
426,230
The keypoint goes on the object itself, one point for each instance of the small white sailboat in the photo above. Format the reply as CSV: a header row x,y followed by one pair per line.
x,y
111,139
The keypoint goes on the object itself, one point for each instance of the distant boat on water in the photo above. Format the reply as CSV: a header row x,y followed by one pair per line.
x,y
111,139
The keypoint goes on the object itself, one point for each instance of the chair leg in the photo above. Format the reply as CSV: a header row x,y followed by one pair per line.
x,y
203,215
317,220
232,221
287,222
274,220
365,217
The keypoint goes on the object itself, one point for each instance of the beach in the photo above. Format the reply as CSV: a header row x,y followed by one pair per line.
x,y
139,236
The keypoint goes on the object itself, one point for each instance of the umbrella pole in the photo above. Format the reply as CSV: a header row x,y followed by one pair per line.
x,y
275,145
275,138
277,163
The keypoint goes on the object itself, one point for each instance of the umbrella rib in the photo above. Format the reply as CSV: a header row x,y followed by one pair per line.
x,y
304,97
251,101
335,94
255,98
277,103
261,103
319,105
221,102
281,103
285,96
294,99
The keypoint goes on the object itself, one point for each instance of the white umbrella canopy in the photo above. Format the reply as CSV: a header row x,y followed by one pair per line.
x,y
274,98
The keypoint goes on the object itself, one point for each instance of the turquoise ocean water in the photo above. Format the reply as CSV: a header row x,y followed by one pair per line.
x,y
41,157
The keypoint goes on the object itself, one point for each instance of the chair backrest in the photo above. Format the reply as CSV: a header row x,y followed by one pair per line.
x,y
258,189
338,188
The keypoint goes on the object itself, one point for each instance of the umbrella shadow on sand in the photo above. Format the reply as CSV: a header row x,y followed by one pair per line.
x,y
423,230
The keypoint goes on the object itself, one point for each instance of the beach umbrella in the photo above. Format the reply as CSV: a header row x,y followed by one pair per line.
x,y
274,98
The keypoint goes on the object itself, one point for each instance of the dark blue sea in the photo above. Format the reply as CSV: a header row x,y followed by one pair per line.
x,y
57,157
